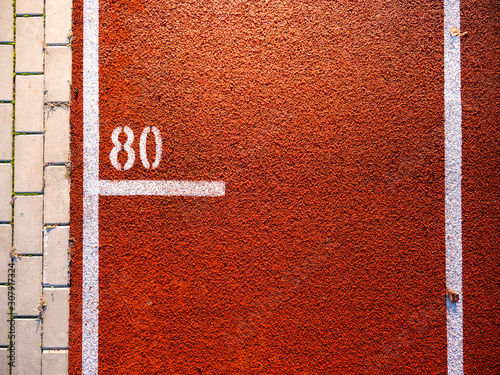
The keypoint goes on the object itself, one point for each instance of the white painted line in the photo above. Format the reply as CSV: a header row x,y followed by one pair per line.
x,y
453,184
169,188
90,272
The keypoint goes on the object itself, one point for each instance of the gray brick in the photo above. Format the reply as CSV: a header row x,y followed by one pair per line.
x,y
56,256
5,131
29,44
5,245
55,362
56,317
6,72
28,280
4,317
29,103
57,74
28,171
56,200
28,347
57,135
6,21
5,192
4,361
57,21
28,227
32,7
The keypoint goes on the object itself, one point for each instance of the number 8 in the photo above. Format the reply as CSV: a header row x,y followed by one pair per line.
x,y
113,155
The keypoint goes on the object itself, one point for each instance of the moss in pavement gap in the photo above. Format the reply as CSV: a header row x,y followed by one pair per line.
x,y
14,26
26,133
12,347
13,112
28,74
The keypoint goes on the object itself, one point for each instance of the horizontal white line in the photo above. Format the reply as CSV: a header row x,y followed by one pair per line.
x,y
168,188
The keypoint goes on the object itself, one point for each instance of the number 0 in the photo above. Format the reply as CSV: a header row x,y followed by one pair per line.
x,y
142,147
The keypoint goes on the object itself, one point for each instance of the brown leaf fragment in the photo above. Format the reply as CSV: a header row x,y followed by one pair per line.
x,y
453,296
14,253
42,306
454,31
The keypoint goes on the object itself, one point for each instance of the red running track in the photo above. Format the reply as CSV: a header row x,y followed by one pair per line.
x,y
326,254
481,186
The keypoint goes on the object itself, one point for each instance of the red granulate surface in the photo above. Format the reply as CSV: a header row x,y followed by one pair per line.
x,y
325,121
76,194
481,185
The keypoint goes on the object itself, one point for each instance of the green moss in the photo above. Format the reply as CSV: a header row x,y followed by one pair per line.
x,y
12,351
28,74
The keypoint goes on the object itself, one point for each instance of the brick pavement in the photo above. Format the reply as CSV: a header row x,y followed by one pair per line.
x,y
35,79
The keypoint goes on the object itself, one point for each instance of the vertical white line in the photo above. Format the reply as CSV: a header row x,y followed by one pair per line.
x,y
90,272
453,184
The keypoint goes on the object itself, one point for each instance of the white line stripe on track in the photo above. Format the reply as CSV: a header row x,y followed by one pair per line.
x,y
453,184
168,188
90,271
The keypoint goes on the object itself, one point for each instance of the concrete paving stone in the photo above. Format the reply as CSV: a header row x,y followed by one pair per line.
x,y
6,21
57,135
28,170
5,131
6,71
4,316
5,245
57,21
55,362
28,283
5,192
29,44
57,74
28,347
4,361
56,318
56,256
28,224
56,200
28,289
31,7
29,104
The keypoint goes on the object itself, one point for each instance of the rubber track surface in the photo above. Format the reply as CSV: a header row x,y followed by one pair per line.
x,y
481,185
326,255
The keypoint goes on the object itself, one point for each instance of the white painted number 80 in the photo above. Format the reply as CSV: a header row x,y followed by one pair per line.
x,y
127,147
